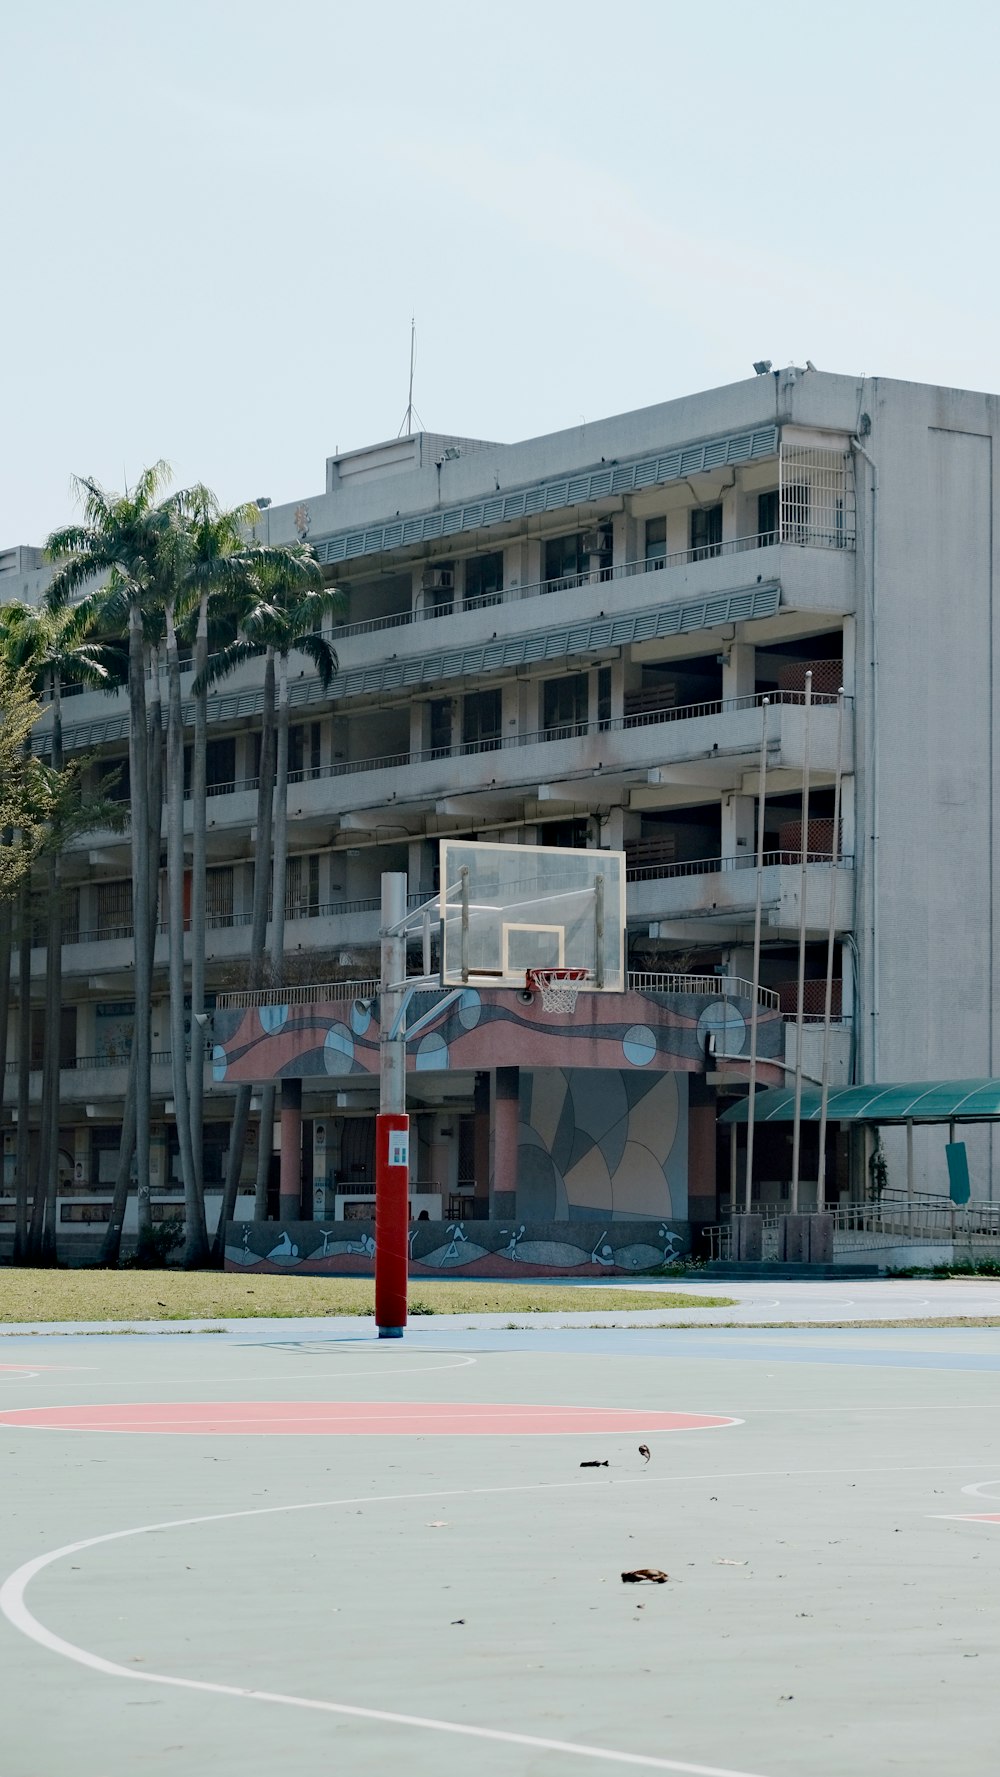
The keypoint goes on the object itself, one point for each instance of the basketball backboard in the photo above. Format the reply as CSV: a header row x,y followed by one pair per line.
x,y
509,908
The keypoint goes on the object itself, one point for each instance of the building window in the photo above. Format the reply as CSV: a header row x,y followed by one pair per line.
x,y
302,886
656,542
767,518
484,579
114,909
584,555
113,780
304,741
603,699
439,727
481,721
219,896
568,834
706,531
564,706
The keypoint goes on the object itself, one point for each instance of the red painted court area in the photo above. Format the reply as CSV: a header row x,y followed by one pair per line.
x,y
358,1418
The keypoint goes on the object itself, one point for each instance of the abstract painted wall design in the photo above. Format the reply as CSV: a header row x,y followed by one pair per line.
x,y
602,1143
487,1029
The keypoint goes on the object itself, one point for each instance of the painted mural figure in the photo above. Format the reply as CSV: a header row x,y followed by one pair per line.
x,y
457,1232
606,1254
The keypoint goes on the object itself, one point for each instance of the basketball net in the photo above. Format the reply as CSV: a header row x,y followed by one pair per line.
x,y
558,987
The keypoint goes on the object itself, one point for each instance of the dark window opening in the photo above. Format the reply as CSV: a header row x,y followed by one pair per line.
x,y
575,833
481,721
604,699
656,542
706,531
440,727
564,706
767,518
484,579
304,749
571,560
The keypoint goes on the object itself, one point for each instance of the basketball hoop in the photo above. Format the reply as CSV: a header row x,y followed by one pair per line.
x,y
558,987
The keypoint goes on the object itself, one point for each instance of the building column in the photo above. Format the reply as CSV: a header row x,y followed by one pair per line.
x,y
481,1140
290,1177
739,670
738,827
503,1182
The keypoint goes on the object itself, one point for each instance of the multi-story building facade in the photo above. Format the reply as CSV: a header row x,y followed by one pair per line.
x,y
569,641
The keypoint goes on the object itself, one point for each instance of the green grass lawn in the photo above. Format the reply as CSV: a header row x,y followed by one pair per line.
x,y
130,1296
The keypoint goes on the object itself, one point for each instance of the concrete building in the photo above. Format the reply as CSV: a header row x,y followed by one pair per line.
x,y
567,641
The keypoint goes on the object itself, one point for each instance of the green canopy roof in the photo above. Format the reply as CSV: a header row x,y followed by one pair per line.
x,y
923,1101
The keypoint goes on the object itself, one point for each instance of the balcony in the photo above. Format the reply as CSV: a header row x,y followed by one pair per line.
x,y
706,568
714,898
95,1078
815,570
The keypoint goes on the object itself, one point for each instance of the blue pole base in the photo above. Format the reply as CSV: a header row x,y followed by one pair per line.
x,y
390,1332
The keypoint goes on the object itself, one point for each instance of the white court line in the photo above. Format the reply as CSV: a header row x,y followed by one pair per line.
x,y
978,1489
281,1376
15,1609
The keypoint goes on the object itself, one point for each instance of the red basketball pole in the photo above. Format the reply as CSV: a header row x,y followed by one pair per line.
x,y
392,1221
392,1140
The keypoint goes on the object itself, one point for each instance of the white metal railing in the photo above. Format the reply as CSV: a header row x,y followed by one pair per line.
x,y
747,861
896,1218
799,530
640,981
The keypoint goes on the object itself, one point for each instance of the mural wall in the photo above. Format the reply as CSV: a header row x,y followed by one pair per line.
x,y
634,1032
602,1142
500,1249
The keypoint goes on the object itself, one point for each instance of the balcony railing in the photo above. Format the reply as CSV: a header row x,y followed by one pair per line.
x,y
645,718
159,1058
797,535
717,866
639,981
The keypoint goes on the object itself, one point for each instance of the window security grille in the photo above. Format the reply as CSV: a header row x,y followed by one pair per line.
x,y
816,497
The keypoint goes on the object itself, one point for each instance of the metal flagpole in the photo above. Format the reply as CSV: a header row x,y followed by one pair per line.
x,y
799,1021
755,973
828,1003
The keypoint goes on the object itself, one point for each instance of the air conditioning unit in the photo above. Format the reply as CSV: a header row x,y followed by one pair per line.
x,y
439,580
596,541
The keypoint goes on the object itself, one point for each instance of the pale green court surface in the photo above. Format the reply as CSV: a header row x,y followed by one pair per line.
x,y
821,1615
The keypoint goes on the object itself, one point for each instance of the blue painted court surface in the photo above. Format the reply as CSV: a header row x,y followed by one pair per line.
x,y
423,1577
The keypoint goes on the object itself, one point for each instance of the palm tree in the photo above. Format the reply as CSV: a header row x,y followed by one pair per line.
x,y
284,618
50,642
127,542
215,577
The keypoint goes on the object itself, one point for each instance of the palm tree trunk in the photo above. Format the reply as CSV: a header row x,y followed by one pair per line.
x,y
111,1245
279,872
6,926
23,1143
199,791
143,938
194,1208
258,939
48,1161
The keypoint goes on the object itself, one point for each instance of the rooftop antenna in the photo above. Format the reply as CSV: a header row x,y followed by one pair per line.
x,y
411,413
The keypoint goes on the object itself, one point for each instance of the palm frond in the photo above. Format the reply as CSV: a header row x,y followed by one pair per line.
x,y
323,656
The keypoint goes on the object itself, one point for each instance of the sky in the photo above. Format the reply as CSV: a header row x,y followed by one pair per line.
x,y
219,217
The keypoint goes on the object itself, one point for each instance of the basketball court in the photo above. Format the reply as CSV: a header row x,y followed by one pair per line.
x,y
244,1552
